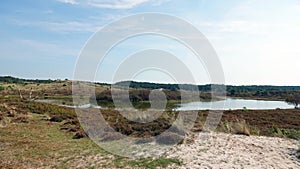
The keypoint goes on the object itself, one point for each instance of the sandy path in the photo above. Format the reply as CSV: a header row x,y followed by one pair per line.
x,y
236,151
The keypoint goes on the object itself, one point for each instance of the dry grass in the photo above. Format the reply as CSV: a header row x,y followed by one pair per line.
x,y
40,143
275,123
235,127
38,134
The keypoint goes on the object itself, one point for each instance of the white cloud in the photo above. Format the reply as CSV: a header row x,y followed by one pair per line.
x,y
159,2
116,4
73,2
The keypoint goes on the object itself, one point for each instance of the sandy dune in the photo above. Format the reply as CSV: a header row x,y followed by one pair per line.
x,y
221,150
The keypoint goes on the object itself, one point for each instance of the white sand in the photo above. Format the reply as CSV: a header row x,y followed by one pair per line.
x,y
236,151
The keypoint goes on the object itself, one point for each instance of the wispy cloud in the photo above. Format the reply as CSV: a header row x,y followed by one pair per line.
x,y
62,27
72,26
238,26
111,4
159,2
73,2
115,4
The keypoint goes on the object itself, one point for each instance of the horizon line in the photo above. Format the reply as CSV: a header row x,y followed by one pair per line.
x,y
141,81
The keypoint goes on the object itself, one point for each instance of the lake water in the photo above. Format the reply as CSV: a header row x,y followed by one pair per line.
x,y
84,106
228,104
233,104
57,102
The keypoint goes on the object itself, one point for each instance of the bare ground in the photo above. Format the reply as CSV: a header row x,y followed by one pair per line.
x,y
222,150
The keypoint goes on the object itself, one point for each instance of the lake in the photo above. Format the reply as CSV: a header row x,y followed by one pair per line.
x,y
233,104
228,104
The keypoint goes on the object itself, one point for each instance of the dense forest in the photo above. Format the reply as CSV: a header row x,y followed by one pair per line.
x,y
249,91
207,87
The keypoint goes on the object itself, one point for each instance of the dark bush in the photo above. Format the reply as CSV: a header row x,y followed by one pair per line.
x,y
79,134
56,119
74,129
20,119
1,115
72,122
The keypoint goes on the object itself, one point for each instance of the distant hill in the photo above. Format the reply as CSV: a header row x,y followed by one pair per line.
x,y
150,85
245,91
10,79
207,87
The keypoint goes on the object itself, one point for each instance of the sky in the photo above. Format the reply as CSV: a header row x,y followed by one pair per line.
x,y
257,42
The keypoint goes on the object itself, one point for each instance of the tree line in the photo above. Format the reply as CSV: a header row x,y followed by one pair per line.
x,y
10,79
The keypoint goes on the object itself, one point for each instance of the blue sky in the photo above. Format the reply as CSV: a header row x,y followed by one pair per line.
x,y
257,41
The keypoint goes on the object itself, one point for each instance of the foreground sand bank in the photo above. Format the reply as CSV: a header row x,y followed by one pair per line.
x,y
221,150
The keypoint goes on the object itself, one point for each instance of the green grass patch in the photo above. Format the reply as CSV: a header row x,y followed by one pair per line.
x,y
41,143
150,163
288,133
1,87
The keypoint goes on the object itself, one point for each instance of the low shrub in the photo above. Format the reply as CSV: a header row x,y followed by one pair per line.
x,y
80,134
1,88
1,115
72,122
74,129
292,134
289,133
22,118
241,127
237,127
254,130
56,119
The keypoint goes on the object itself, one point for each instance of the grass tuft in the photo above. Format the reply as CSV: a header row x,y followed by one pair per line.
x,y
236,127
287,133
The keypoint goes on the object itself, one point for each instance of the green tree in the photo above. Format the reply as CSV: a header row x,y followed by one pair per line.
x,y
294,100
232,92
